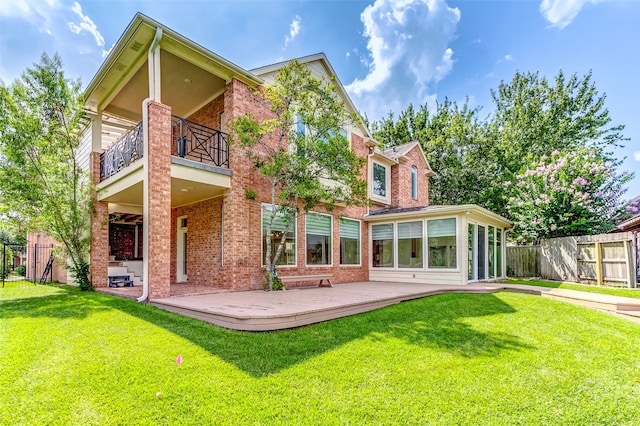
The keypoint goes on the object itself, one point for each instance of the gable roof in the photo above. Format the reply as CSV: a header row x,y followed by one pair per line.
x,y
321,58
399,152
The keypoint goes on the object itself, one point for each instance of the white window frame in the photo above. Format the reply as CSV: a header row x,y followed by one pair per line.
x,y
457,239
181,254
386,199
331,248
395,249
396,237
295,239
359,242
414,182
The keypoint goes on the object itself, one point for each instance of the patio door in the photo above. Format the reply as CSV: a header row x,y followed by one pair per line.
x,y
481,252
181,258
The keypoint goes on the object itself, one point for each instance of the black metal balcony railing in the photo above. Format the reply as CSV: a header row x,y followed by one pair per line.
x,y
189,140
125,151
197,142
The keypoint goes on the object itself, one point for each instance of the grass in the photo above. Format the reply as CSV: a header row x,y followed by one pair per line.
x,y
69,357
624,292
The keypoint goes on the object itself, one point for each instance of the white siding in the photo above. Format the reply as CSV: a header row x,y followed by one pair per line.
x,y
84,150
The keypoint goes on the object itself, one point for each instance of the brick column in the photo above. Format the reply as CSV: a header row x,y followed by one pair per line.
x,y
99,251
158,215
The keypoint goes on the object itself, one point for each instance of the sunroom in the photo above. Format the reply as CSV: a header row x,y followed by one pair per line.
x,y
452,245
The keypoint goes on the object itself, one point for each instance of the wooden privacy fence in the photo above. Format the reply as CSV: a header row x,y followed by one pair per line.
x,y
605,259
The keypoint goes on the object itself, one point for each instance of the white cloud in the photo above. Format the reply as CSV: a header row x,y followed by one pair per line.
x,y
636,155
294,30
561,13
508,57
86,24
408,44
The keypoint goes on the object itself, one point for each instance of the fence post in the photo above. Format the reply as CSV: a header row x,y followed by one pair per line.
x,y
599,263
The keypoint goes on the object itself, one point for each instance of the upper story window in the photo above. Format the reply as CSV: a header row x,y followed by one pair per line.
x,y
379,180
414,182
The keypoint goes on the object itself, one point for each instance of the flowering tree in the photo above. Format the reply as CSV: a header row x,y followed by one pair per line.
x,y
565,194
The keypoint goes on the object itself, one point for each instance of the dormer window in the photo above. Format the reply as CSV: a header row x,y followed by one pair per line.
x,y
379,180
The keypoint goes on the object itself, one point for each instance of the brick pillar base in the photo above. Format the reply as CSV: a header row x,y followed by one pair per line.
x,y
158,215
99,251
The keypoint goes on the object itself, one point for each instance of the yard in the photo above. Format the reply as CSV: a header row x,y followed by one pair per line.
x,y
84,358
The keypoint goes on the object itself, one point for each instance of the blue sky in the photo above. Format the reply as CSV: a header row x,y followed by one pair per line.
x,y
388,53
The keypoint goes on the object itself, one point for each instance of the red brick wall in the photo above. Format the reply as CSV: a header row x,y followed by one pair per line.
x,y
122,240
99,251
401,181
203,242
159,203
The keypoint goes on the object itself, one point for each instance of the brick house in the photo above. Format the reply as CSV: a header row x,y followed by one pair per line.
x,y
170,192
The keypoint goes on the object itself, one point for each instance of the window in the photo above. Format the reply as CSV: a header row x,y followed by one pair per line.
x,y
379,180
499,252
471,246
278,228
382,251
481,252
410,245
492,252
442,243
318,239
349,242
414,182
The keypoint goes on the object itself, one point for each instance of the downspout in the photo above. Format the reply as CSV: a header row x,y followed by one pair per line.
x,y
153,72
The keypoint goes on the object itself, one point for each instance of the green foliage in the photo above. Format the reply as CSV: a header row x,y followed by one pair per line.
x,y
5,266
250,194
300,148
80,273
41,121
21,270
533,117
564,194
274,279
459,359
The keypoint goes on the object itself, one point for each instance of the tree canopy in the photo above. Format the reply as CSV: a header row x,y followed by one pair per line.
x,y
301,150
41,120
532,118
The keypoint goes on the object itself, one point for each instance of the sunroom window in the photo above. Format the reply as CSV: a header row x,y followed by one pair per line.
x,y
382,241
442,243
410,244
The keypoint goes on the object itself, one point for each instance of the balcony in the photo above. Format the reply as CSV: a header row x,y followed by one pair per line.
x,y
189,140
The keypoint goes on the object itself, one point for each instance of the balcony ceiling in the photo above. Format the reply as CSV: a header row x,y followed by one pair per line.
x,y
191,75
185,88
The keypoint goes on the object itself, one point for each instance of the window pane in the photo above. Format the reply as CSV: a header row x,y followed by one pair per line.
x,y
492,252
349,242
414,182
382,250
318,239
379,180
279,225
410,245
481,252
499,252
471,247
442,243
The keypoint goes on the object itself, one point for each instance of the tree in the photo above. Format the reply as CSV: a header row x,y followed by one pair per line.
x,y
41,120
453,139
301,150
565,194
534,117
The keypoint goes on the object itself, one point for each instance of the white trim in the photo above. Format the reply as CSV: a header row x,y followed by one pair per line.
x,y
386,199
295,239
181,250
306,247
359,243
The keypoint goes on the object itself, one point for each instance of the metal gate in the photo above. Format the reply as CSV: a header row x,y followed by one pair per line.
x,y
22,262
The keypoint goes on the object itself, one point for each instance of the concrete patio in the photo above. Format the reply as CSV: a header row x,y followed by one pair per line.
x,y
262,311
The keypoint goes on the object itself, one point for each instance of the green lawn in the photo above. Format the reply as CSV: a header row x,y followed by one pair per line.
x,y
624,292
68,357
